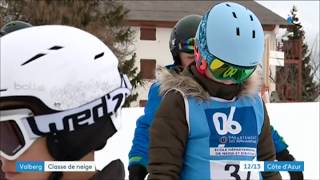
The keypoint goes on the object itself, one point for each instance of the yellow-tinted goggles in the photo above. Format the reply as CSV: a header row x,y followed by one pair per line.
x,y
224,71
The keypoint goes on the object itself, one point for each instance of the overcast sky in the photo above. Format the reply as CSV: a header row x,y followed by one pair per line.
x,y
308,12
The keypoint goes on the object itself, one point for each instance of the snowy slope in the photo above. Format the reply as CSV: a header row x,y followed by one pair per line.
x,y
298,123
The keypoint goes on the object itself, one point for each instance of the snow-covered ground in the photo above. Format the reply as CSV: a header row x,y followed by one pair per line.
x,y
298,123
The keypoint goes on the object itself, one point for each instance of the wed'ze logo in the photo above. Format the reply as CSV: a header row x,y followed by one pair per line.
x,y
85,115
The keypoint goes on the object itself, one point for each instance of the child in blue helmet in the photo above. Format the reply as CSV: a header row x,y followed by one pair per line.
x,y
181,45
212,117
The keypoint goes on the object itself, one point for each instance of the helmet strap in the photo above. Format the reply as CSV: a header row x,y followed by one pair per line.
x,y
177,61
202,66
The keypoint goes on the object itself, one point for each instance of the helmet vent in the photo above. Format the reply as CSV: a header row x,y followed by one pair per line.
x,y
238,31
234,15
228,5
251,18
55,47
41,54
33,58
253,34
98,56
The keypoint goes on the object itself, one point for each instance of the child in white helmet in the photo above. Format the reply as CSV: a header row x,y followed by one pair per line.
x,y
212,116
60,93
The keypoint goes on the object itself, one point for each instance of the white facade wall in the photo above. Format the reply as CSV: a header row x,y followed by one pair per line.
x,y
159,50
271,37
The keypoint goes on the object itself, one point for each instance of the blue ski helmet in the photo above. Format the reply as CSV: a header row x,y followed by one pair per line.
x,y
232,33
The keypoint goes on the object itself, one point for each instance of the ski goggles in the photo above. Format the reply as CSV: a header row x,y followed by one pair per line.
x,y
187,45
222,70
19,128
14,136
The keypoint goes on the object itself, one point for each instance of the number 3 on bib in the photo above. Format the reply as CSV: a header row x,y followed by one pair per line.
x,y
230,170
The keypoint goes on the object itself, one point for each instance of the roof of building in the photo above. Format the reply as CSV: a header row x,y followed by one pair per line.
x,y
172,11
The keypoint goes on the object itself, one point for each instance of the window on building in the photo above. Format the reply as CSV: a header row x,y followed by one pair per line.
x,y
148,34
142,103
148,68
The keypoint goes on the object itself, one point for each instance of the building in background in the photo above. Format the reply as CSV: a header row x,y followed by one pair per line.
x,y
154,20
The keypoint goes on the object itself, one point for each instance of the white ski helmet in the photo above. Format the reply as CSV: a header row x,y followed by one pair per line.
x,y
69,80
62,66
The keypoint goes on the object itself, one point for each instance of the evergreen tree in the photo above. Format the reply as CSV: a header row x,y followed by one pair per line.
x,y
129,67
310,87
104,18
288,74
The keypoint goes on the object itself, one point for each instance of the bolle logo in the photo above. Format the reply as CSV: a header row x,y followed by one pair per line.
x,y
28,86
228,124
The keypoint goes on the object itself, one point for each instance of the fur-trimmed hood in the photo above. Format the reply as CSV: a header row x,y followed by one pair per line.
x,y
187,84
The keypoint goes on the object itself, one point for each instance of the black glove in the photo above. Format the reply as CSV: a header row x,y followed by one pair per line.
x,y
113,171
137,172
286,156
